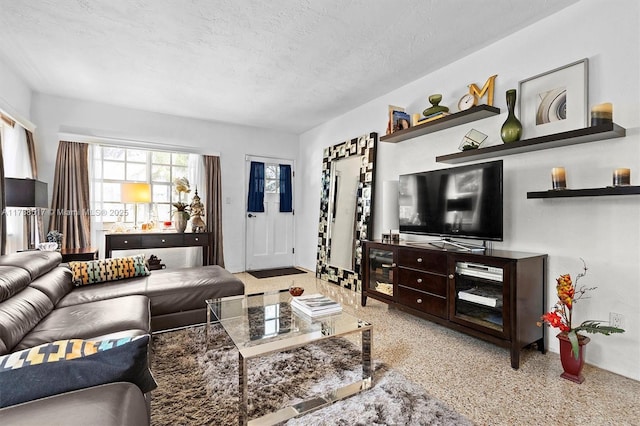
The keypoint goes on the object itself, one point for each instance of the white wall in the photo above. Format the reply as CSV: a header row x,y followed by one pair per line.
x,y
605,231
54,115
15,94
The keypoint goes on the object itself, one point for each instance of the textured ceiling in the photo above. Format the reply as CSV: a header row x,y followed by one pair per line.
x,y
281,64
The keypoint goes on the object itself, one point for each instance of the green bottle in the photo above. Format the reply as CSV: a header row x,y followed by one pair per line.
x,y
512,128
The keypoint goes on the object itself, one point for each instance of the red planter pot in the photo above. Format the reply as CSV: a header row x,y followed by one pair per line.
x,y
572,367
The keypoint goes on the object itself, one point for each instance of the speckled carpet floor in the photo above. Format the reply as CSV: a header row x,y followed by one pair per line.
x,y
199,386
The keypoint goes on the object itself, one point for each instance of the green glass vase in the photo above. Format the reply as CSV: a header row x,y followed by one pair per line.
x,y
435,108
512,128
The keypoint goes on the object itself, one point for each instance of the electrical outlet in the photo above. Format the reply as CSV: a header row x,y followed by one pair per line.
x,y
616,320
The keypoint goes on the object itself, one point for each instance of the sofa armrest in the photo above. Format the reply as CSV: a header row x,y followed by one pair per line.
x,y
112,404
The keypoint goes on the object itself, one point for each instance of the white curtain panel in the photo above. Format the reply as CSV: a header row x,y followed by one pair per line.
x,y
196,178
16,165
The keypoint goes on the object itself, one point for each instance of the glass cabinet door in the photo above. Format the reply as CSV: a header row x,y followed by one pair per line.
x,y
381,271
479,297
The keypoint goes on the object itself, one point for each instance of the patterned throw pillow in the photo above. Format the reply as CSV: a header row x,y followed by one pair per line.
x,y
117,268
67,365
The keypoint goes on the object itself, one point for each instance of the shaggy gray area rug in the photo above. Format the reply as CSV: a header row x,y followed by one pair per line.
x,y
198,384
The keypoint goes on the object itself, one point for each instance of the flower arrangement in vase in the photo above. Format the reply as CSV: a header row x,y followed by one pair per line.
x,y
561,316
181,215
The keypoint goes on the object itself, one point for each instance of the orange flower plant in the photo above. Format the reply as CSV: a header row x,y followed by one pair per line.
x,y
561,314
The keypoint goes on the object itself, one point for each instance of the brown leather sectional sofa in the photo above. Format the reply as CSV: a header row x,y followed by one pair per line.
x,y
39,304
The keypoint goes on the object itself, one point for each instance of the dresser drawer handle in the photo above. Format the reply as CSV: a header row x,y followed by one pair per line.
x,y
163,240
419,260
419,280
197,239
419,300
126,242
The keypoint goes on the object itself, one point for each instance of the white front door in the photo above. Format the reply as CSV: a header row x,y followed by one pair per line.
x,y
269,242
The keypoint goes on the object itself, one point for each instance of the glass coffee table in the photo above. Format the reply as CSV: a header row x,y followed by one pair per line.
x,y
264,323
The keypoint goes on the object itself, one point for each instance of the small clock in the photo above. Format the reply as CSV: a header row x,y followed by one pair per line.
x,y
466,102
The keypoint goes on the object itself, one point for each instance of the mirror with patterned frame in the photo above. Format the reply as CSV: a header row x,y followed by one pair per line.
x,y
346,210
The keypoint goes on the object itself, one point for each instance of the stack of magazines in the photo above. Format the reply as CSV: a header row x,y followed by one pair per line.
x,y
315,305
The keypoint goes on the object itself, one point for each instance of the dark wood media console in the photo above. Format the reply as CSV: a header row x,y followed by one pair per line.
x,y
495,295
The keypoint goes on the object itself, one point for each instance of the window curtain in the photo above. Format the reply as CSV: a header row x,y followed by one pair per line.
x,y
16,151
195,174
286,196
71,195
255,202
213,207
3,204
31,148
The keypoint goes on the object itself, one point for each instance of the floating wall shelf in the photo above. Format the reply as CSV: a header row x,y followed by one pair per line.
x,y
588,134
587,192
477,112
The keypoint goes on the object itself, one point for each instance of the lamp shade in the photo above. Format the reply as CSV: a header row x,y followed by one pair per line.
x,y
135,192
390,220
25,192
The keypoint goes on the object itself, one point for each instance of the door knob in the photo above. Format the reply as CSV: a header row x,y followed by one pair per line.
x,y
250,215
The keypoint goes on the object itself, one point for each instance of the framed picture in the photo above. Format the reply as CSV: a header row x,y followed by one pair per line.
x,y
392,119
555,101
401,121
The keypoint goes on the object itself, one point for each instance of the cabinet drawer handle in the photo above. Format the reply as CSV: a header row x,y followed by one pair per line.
x,y
126,242
419,300
419,280
197,239
163,240
419,260
450,276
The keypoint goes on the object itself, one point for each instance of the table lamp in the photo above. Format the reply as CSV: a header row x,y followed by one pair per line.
x,y
29,194
135,192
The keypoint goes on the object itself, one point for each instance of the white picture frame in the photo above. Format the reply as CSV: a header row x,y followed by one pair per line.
x,y
555,101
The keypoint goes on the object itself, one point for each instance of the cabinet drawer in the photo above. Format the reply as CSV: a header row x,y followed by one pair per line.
x,y
425,260
123,241
196,239
168,240
431,304
423,281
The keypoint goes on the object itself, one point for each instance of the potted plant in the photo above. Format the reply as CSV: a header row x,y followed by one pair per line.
x,y
181,214
571,341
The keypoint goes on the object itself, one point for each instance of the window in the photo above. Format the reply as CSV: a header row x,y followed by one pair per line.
x,y
114,165
271,179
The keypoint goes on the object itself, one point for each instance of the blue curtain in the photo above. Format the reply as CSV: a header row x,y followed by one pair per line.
x,y
256,188
286,203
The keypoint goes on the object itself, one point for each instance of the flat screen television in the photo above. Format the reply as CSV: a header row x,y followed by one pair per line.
x,y
463,202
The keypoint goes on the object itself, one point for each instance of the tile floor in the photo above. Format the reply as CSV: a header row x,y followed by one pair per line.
x,y
474,377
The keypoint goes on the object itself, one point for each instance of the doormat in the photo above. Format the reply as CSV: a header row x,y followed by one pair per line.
x,y
269,273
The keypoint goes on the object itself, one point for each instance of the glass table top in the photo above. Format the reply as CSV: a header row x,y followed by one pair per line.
x,y
265,322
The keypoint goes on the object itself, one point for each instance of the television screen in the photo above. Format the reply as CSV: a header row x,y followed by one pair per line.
x,y
461,201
